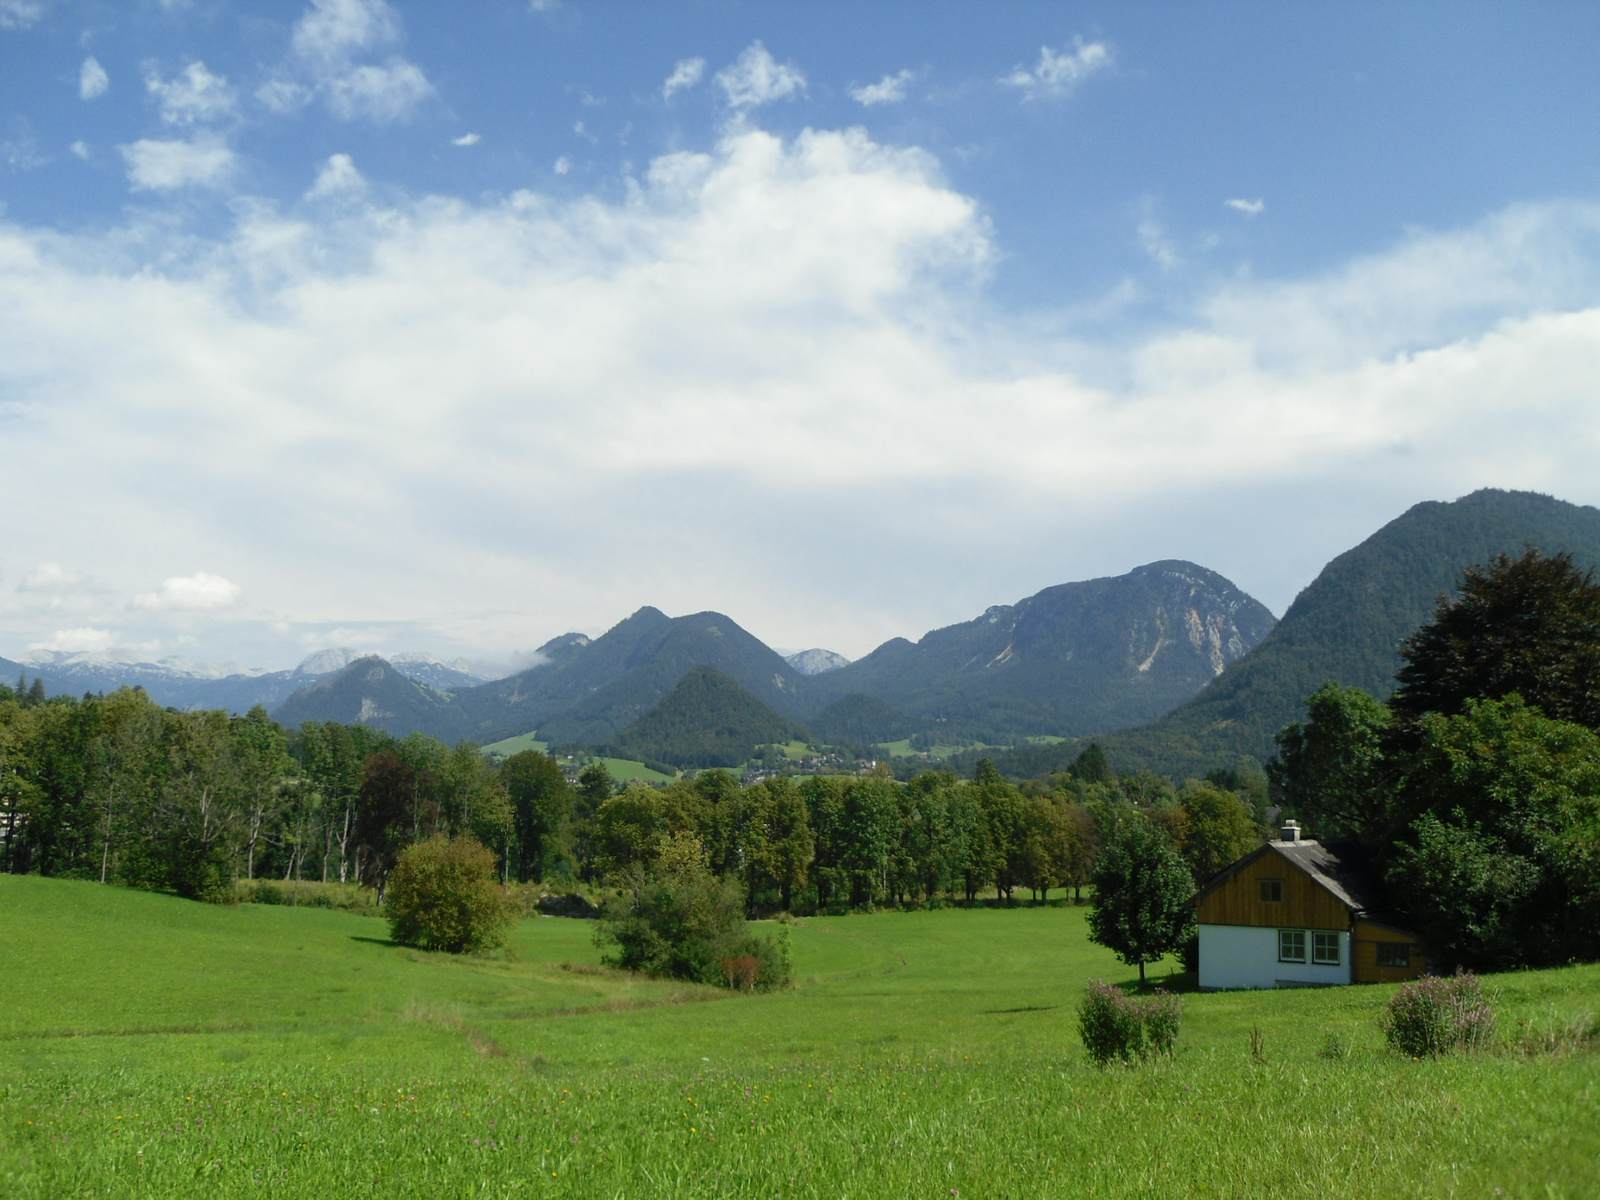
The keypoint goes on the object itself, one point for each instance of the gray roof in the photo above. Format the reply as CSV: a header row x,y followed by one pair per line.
x,y
1339,870
1361,894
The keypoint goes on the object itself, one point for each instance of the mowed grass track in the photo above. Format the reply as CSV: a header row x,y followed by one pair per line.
x,y
151,1047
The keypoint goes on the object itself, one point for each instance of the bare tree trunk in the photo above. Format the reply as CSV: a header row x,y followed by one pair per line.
x,y
344,842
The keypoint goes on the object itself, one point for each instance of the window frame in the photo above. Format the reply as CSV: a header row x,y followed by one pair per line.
x,y
1288,938
1270,884
1321,938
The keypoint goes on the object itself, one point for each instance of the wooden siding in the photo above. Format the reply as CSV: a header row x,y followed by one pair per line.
x,y
1306,904
1364,966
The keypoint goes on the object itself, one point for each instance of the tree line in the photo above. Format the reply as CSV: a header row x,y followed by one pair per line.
x,y
117,789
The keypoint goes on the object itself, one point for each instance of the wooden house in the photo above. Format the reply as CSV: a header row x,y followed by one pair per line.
x,y
1299,913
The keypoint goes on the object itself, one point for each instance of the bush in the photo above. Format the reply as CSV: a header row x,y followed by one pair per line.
x,y
678,920
1115,1026
442,895
1435,1015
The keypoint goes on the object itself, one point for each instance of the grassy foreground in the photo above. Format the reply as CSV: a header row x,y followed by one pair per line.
x,y
155,1047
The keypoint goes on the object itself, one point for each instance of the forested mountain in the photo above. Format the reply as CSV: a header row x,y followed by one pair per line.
x,y
859,720
1078,658
1345,626
707,720
589,691
372,692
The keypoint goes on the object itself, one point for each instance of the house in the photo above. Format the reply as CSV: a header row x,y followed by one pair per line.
x,y
1300,913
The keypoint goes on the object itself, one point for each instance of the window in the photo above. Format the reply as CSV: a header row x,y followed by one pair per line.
x,y
1292,945
1325,949
1271,891
1394,954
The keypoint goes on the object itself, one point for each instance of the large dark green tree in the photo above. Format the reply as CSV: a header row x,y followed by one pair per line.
x,y
1498,862
1143,907
1329,772
1529,625
541,801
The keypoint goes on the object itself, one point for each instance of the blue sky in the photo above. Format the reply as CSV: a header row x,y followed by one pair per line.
x,y
459,326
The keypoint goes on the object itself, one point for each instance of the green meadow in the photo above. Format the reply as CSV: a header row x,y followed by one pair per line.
x,y
151,1046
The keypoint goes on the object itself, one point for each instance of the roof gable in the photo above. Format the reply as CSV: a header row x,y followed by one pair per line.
x,y
1337,871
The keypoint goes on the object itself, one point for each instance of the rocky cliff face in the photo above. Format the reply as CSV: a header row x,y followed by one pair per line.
x,y
1076,658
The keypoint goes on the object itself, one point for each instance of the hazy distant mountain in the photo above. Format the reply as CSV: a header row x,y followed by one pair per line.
x,y
1077,658
373,692
1345,626
176,683
816,661
707,720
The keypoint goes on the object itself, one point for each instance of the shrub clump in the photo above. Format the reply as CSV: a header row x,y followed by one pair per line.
x,y
1114,1026
1437,1015
442,895
677,920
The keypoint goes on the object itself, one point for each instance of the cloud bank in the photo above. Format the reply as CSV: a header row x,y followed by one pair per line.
x,y
766,381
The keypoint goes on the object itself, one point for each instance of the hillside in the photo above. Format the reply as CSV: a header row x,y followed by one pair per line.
x,y
372,692
705,639
1345,626
1078,658
588,691
707,720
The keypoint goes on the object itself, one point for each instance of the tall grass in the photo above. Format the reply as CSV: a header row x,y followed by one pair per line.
x,y
924,1054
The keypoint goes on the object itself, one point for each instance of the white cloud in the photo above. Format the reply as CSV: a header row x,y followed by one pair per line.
x,y
160,166
563,165
757,78
387,93
555,405
194,95
92,79
685,74
70,641
332,31
1250,208
1059,72
337,177
1153,237
327,48
466,139
284,95
21,152
200,592
80,149
51,577
20,14
891,89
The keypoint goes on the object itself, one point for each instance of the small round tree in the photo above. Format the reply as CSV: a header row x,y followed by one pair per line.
x,y
443,895
1143,895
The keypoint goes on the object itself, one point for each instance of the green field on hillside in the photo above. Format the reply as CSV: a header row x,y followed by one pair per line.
x,y
506,747
151,1046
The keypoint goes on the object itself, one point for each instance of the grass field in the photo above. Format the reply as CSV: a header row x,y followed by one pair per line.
x,y
151,1047
506,747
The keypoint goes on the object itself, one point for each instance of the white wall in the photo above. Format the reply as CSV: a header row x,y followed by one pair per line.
x,y
1245,956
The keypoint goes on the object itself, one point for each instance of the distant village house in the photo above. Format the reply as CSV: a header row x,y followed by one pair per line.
x,y
1298,913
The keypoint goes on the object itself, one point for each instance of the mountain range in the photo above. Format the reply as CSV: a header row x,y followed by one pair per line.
x,y
1346,626
174,683
1169,666
1075,658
